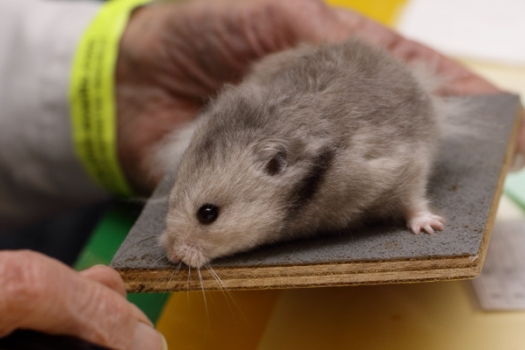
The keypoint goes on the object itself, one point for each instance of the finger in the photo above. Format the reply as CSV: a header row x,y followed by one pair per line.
x,y
106,276
459,79
42,294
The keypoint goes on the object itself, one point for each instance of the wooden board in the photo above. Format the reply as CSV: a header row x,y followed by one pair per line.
x,y
465,187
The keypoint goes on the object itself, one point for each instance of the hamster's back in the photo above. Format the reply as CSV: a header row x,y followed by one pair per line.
x,y
333,91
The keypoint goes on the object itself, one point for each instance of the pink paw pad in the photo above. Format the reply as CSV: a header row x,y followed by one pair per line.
x,y
425,221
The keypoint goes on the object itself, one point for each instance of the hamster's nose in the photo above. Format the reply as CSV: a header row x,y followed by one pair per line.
x,y
173,258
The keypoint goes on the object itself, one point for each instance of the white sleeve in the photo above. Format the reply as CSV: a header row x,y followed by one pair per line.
x,y
39,172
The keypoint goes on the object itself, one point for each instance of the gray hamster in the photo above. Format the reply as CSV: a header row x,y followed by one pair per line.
x,y
314,139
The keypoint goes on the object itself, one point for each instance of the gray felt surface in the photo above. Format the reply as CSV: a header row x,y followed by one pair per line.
x,y
461,188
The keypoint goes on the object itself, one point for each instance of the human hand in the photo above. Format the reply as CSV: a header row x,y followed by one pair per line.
x,y
173,57
42,294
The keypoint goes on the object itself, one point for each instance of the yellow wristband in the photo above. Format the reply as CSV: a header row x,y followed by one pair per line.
x,y
92,96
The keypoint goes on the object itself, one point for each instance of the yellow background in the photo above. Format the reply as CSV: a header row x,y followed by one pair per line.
x,y
430,316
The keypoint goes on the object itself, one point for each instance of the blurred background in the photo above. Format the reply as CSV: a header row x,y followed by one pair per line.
x,y
488,36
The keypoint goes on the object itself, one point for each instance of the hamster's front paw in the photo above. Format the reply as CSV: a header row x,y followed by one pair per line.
x,y
425,221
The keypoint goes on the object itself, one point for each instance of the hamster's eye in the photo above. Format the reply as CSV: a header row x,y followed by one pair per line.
x,y
207,214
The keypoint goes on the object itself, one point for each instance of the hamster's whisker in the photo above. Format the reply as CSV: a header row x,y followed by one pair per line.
x,y
145,239
188,284
202,287
144,200
204,298
224,289
171,277
222,286
175,271
215,276
159,259
152,243
157,200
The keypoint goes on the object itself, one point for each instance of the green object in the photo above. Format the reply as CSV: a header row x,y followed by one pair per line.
x,y
104,243
515,187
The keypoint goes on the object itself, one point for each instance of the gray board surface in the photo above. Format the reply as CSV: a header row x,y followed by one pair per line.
x,y
462,187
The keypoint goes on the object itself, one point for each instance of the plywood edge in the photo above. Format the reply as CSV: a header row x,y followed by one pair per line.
x,y
345,273
507,163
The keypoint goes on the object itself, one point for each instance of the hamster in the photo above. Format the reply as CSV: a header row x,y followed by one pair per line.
x,y
313,139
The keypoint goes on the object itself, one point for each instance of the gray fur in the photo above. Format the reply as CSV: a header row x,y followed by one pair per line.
x,y
316,138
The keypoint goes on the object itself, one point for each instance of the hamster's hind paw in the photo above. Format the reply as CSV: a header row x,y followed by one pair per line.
x,y
425,221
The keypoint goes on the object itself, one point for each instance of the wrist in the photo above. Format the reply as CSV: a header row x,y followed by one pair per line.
x,y
92,99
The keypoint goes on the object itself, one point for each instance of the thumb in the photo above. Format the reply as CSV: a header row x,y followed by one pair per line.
x,y
42,294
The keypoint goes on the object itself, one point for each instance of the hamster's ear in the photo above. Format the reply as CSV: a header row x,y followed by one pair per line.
x,y
278,155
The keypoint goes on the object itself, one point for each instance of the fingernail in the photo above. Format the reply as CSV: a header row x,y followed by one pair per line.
x,y
147,338
164,342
